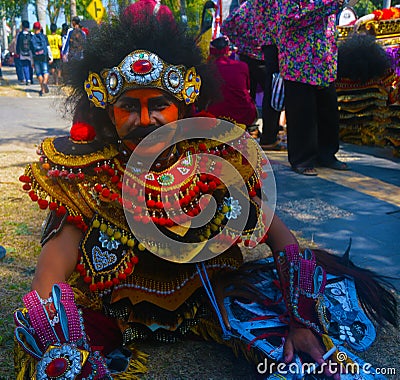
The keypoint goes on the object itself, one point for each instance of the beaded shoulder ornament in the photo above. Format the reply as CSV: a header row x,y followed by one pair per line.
x,y
142,68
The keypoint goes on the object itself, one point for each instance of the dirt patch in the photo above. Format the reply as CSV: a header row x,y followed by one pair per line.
x,y
7,90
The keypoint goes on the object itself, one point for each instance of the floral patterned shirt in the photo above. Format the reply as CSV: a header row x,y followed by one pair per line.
x,y
251,26
307,40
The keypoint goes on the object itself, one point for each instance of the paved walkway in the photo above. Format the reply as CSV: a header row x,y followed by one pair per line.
x,y
362,204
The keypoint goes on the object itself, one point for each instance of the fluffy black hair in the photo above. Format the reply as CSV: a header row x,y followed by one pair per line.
x,y
360,58
110,43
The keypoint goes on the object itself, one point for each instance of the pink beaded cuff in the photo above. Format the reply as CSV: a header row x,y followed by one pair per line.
x,y
303,286
52,331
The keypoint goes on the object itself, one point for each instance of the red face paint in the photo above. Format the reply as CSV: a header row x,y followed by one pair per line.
x,y
139,112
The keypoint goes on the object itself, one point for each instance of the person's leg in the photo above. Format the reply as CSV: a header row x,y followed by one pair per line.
x,y
56,71
31,71
270,117
18,69
45,71
53,73
59,76
328,127
301,118
26,66
39,74
328,123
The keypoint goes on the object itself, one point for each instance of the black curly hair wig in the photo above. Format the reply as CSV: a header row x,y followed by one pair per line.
x,y
361,58
108,44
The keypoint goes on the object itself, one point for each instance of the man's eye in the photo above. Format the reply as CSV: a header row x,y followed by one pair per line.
x,y
160,106
129,107
159,103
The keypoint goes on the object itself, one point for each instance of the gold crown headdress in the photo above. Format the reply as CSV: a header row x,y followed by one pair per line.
x,y
138,69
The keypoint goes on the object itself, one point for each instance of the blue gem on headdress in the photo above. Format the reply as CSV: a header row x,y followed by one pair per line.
x,y
197,79
98,95
88,85
189,91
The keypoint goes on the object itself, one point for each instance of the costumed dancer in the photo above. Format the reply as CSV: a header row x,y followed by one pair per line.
x,y
103,282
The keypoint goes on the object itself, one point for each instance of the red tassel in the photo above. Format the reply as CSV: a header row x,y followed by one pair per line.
x,y
82,132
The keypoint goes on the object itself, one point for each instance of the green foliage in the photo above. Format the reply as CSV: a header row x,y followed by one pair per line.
x,y
11,8
175,6
364,7
193,9
80,8
53,10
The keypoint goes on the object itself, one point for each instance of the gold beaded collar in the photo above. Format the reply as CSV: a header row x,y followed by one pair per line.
x,y
139,69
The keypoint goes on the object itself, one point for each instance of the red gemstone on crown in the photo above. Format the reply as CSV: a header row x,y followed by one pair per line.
x,y
142,66
57,367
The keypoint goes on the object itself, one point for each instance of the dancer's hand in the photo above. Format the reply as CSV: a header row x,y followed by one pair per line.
x,y
305,341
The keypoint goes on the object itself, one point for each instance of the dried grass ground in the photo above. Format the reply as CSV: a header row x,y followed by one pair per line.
x,y
20,223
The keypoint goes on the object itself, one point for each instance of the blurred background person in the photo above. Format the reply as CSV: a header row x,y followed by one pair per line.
x,y
72,49
252,28
17,62
41,54
23,49
308,65
236,102
55,43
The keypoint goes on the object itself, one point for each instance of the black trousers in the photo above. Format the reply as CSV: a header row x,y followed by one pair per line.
x,y
257,73
312,119
261,74
270,117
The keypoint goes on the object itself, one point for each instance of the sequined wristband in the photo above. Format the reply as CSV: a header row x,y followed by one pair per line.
x,y
52,331
303,284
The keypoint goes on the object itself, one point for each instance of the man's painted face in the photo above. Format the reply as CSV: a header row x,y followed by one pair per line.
x,y
139,112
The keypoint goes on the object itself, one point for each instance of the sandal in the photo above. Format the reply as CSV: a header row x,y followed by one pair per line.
x,y
307,170
336,165
276,146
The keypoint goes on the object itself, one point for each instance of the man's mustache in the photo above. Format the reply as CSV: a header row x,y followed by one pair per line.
x,y
141,132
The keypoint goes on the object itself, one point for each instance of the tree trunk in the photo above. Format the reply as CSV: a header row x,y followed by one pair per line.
x,y
73,8
24,12
4,34
41,6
